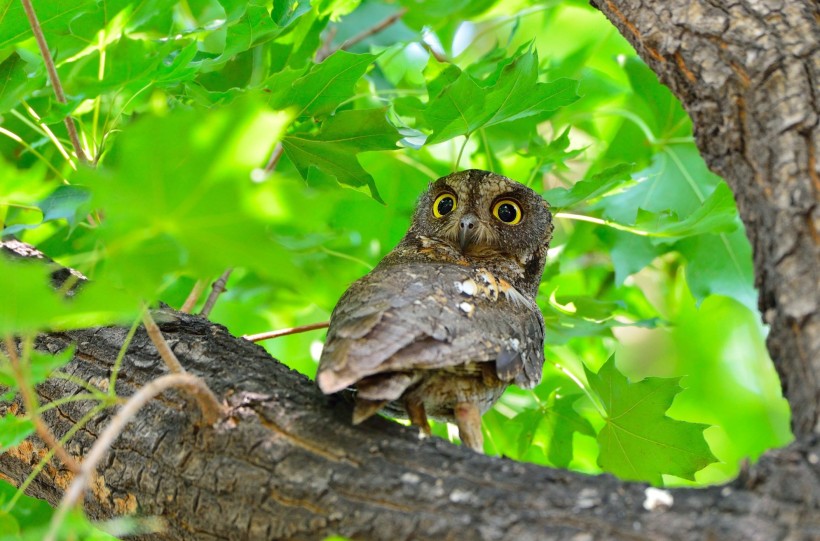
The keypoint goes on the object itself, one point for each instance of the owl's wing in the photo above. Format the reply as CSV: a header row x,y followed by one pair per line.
x,y
425,316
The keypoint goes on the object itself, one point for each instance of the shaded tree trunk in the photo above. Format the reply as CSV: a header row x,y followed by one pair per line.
x,y
286,463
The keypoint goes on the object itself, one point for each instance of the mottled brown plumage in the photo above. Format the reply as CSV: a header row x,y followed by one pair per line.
x,y
448,319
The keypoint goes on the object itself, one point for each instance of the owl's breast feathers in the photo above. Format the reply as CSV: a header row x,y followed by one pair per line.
x,y
429,316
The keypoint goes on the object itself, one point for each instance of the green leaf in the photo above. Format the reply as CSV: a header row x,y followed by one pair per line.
x,y
717,215
677,181
43,364
720,264
14,430
190,208
551,428
639,441
466,105
34,305
53,17
325,86
17,79
333,149
66,202
595,186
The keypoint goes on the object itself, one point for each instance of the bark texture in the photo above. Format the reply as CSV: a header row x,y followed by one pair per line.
x,y
285,463
748,73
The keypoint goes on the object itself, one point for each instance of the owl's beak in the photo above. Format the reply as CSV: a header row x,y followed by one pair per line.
x,y
468,227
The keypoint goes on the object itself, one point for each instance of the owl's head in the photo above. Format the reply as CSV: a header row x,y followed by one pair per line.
x,y
489,220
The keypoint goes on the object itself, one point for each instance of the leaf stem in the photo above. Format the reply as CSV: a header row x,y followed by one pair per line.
x,y
43,128
348,257
115,371
53,77
460,152
14,137
599,221
32,408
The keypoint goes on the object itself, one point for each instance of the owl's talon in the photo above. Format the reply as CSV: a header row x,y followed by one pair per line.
x,y
468,419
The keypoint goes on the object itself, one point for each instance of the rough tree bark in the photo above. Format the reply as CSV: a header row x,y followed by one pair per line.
x,y
748,73
285,462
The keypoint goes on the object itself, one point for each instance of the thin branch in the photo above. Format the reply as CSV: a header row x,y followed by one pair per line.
x,y
30,402
193,297
327,48
162,346
53,77
278,150
361,36
284,332
218,289
208,403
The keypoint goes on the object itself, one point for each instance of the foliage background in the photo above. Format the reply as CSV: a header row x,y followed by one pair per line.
x,y
181,103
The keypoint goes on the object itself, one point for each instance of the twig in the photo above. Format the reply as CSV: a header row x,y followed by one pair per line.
x,y
437,55
274,158
53,77
162,346
208,403
218,288
327,48
31,408
361,36
193,296
284,332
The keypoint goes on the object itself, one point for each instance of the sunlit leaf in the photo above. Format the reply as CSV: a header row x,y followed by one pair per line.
x,y
334,148
639,441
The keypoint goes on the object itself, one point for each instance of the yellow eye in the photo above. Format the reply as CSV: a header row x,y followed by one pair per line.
x,y
444,205
507,211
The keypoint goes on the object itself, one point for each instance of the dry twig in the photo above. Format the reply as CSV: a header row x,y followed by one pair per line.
x,y
193,297
208,403
284,332
162,346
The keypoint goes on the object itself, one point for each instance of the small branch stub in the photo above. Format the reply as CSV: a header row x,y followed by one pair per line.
x,y
218,289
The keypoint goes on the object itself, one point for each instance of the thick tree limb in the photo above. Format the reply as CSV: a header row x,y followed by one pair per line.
x,y
287,463
748,73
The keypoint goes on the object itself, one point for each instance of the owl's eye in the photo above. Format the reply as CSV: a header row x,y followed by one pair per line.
x,y
507,211
444,205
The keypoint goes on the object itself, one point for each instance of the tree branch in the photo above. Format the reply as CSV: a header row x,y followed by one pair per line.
x,y
195,386
53,77
289,464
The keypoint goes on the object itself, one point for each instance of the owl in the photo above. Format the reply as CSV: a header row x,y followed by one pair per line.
x,y
448,318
